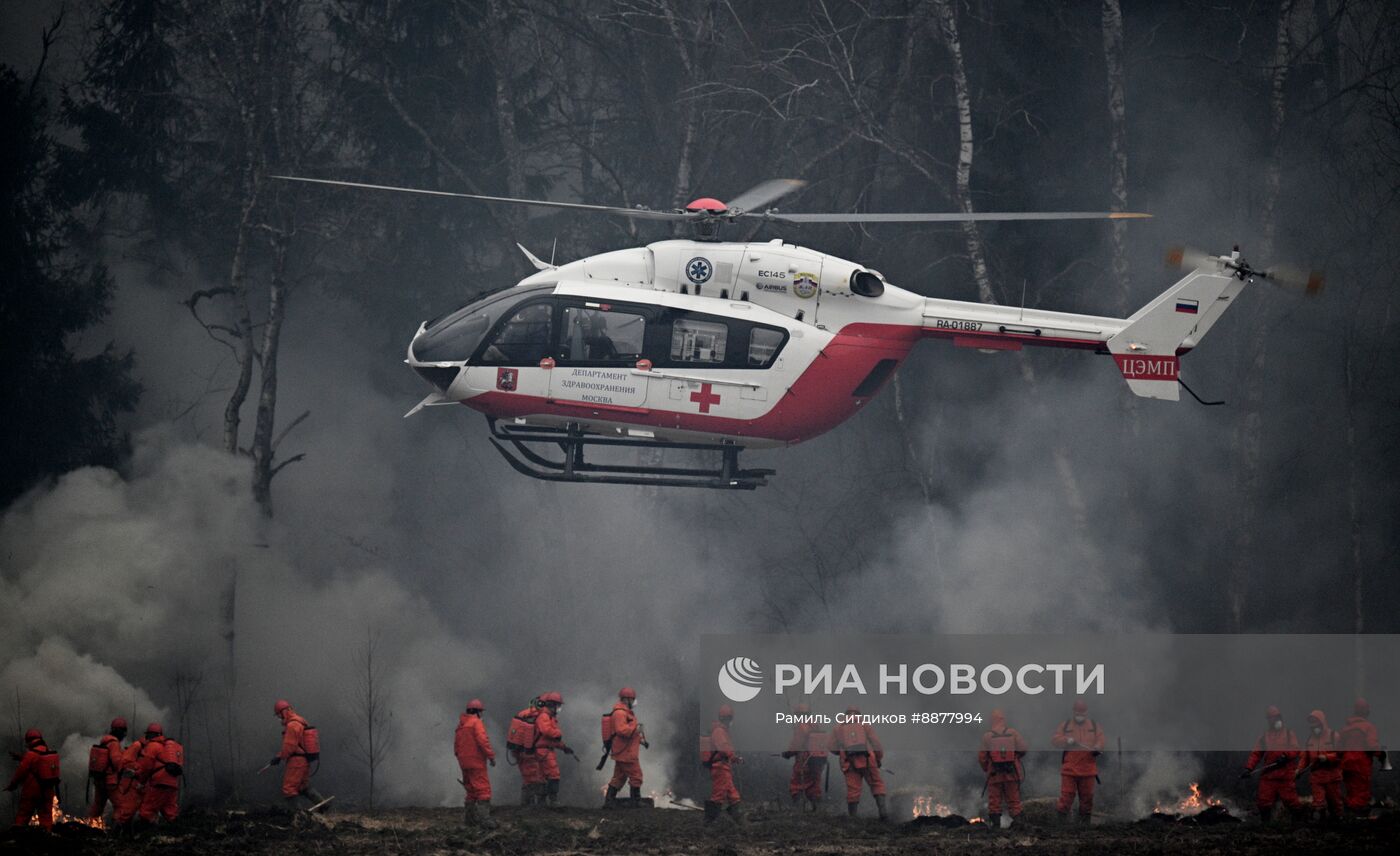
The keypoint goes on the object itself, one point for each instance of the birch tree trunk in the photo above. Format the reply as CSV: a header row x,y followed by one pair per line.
x,y
972,239
1117,147
686,45
972,236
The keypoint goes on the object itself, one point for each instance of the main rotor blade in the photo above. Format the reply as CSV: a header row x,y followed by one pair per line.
x,y
639,213
951,217
761,194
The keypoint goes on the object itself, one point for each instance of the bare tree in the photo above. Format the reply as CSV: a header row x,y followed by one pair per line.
x,y
1117,144
371,743
1249,433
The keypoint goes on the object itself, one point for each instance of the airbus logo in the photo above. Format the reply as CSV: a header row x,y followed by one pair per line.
x,y
740,679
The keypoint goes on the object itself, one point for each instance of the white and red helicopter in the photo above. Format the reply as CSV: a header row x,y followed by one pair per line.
x,y
723,346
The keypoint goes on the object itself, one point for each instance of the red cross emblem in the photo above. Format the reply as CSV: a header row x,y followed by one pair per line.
x,y
704,398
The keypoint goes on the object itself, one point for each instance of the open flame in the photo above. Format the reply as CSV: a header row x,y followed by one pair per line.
x,y
928,807
60,816
1194,803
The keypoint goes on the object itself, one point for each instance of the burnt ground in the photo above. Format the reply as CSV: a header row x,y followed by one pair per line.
x,y
657,831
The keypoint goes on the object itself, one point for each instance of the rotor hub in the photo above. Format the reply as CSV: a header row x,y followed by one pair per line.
x,y
707,204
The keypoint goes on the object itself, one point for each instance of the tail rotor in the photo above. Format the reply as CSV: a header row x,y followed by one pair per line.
x,y
1292,278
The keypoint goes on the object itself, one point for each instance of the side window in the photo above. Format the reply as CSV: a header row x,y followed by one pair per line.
x,y
523,340
764,343
601,335
695,341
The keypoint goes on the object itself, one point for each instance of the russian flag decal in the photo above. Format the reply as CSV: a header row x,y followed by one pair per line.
x,y
1190,307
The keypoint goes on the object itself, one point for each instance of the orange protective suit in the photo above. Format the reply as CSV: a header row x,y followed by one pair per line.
x,y
473,750
36,795
1081,743
126,800
861,755
1000,758
1323,762
722,757
1360,744
806,779
551,737
104,784
626,747
161,793
296,769
527,760
1274,746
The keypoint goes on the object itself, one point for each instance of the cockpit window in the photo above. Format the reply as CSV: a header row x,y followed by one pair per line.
x,y
456,336
523,340
600,334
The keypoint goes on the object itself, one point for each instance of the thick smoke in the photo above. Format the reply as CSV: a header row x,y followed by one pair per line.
x,y
145,577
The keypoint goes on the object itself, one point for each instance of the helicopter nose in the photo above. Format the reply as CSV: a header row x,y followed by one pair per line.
x,y
440,348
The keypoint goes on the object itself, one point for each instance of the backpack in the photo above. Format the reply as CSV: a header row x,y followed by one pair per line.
x,y
1002,750
850,738
522,734
311,743
707,753
46,769
172,757
816,742
607,728
99,759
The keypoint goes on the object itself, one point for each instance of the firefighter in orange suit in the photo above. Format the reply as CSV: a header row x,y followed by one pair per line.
x,y
1000,758
104,768
1322,761
723,794
1277,751
1360,746
861,754
296,775
625,747
473,750
126,802
807,760
1081,741
551,740
159,777
532,781
37,778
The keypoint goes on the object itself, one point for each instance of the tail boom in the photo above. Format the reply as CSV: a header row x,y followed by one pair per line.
x,y
1146,346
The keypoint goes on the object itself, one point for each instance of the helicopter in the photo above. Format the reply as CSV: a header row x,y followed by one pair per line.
x,y
716,347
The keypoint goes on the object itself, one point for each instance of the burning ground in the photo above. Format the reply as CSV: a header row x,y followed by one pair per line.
x,y
655,831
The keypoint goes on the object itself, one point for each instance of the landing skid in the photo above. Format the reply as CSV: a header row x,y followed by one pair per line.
x,y
573,468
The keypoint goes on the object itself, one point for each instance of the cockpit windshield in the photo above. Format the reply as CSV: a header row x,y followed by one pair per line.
x,y
455,337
